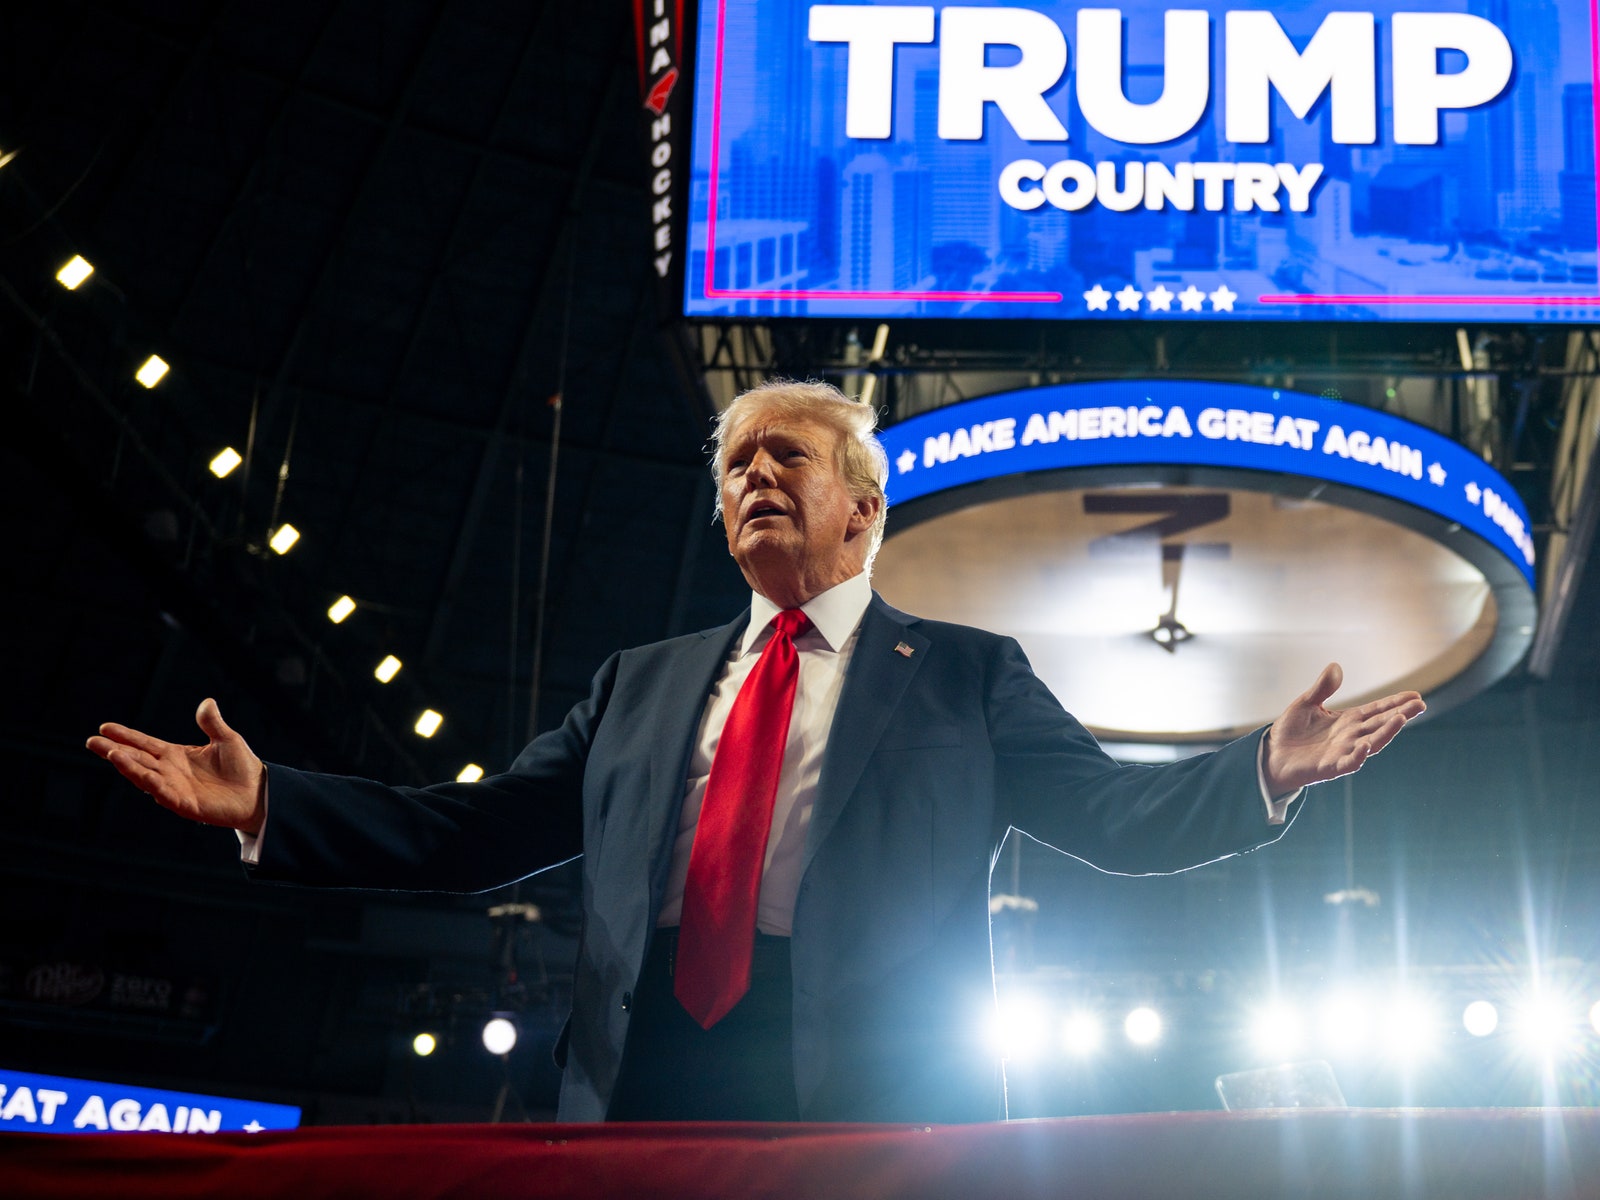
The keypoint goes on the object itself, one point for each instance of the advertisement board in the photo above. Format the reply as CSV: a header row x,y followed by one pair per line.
x,y
1424,160
35,1103
1185,423
1176,557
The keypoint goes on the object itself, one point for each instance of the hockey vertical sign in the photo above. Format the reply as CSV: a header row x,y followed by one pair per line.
x,y
662,43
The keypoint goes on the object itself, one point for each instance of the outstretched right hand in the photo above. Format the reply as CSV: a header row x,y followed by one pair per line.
x,y
220,783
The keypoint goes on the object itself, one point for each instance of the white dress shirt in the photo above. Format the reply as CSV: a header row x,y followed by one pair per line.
x,y
825,651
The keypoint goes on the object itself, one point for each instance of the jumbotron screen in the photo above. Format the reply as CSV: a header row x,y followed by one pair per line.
x,y
1421,160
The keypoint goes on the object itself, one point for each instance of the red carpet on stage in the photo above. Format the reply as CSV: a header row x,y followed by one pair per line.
x,y
1453,1154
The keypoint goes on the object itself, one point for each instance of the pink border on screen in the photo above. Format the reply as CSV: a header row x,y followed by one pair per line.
x,y
714,293
1517,301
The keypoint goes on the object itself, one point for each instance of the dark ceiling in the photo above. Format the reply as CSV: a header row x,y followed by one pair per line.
x,y
374,241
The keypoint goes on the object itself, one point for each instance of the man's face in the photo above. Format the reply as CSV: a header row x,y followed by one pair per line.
x,y
792,524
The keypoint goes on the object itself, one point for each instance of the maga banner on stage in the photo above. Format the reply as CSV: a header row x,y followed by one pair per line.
x,y
1419,160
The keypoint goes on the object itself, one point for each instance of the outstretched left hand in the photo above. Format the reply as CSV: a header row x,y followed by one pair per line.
x,y
1309,743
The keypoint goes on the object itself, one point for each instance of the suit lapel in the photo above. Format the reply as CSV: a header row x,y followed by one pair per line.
x,y
879,673
678,720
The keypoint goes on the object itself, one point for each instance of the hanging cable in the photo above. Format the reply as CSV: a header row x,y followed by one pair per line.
x,y
283,467
550,500
516,598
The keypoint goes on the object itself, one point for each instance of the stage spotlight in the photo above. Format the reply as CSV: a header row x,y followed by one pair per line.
x,y
387,669
470,773
1021,1027
1410,1027
74,272
1277,1031
1546,1026
1143,1026
1480,1018
499,1035
424,1044
152,372
1345,1023
1081,1034
340,609
226,460
428,723
283,541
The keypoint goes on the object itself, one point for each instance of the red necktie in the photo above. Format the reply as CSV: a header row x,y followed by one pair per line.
x,y
717,932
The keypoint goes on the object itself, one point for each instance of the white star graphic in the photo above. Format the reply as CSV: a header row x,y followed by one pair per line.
x,y
1222,299
907,460
1160,299
1474,493
253,1127
1096,298
1437,474
1191,298
1128,299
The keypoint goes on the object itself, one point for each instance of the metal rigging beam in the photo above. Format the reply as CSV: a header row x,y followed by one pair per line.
x,y
511,393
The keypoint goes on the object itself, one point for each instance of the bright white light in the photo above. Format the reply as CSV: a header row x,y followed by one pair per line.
x,y
387,669
152,372
880,343
470,773
428,723
499,1035
1022,1027
1345,1023
1594,1016
424,1044
1480,1018
1143,1026
340,609
226,460
1082,1033
1410,1027
1277,1031
1546,1025
74,272
283,541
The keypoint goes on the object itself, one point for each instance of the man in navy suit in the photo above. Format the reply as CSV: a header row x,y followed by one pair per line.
x,y
913,748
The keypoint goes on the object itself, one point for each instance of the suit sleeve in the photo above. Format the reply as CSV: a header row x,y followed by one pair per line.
x,y
341,831
1059,787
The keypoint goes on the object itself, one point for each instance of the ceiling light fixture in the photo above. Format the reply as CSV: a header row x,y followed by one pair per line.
x,y
226,460
387,669
283,541
152,372
428,723
340,609
73,272
1169,633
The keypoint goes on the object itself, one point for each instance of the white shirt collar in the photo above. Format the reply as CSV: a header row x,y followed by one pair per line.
x,y
834,613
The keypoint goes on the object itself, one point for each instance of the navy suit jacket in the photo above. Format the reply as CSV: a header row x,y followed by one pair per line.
x,y
932,758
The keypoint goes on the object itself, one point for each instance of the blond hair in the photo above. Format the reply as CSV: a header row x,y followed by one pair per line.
x,y
858,454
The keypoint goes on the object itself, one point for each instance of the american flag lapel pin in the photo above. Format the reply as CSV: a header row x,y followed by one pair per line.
x,y
903,650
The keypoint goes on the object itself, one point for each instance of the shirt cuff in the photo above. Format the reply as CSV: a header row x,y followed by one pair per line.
x,y
250,843
1277,806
